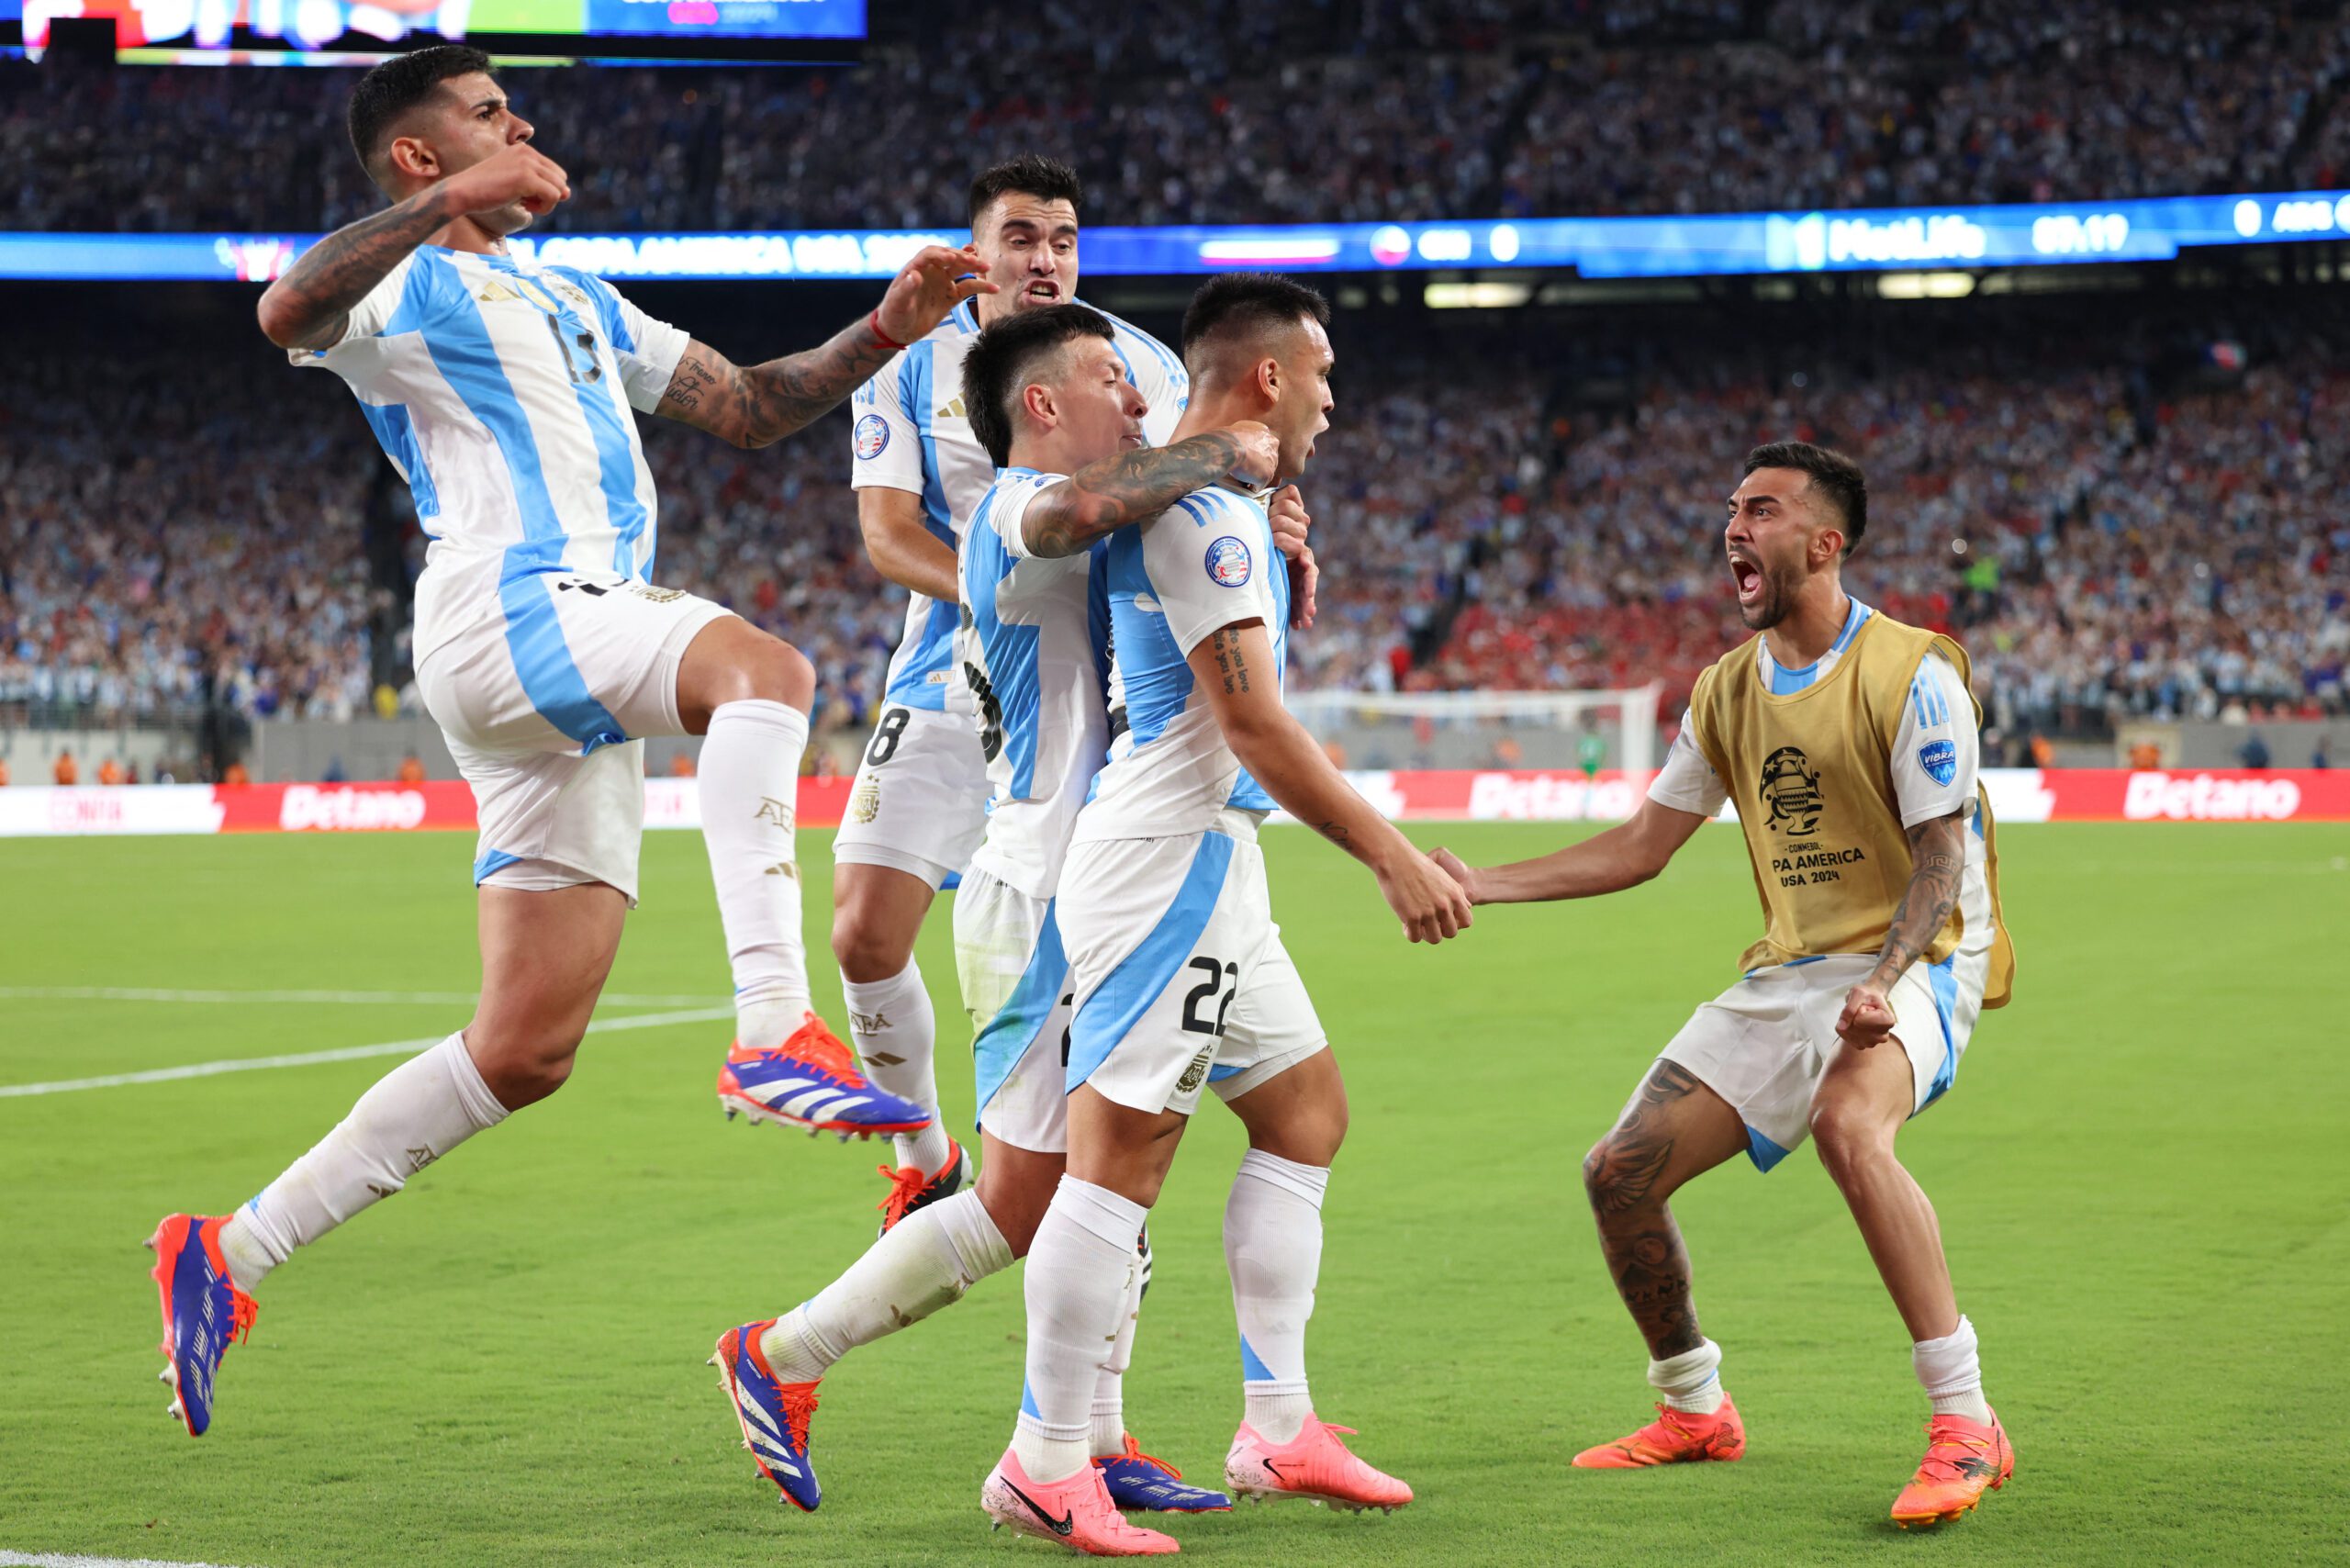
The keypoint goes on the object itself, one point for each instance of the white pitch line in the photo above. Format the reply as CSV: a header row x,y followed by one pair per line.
x,y
347,1053
352,998
60,1560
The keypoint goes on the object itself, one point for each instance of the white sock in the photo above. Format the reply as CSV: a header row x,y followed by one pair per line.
x,y
1272,1246
415,1114
1110,1388
925,1261
1081,1268
1690,1381
749,778
1953,1374
896,1036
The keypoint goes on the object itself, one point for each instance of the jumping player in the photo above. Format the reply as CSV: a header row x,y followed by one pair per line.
x,y
503,391
1180,976
1049,399
1849,742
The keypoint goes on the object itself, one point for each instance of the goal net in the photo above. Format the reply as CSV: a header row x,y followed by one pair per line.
x,y
1550,729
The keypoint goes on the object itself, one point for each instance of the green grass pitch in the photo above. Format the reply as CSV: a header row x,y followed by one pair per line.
x,y
2142,1178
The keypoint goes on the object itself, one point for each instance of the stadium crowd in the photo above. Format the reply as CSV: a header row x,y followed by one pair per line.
x,y
1313,110
2109,542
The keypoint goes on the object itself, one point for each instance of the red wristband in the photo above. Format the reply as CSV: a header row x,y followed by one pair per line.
x,y
873,321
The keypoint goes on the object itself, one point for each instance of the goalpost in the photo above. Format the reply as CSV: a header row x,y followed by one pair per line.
x,y
1556,729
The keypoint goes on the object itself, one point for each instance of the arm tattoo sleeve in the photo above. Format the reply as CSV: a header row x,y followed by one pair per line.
x,y
755,405
1938,856
1104,496
338,271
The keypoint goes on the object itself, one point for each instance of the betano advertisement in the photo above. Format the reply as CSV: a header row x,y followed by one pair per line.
x,y
2017,795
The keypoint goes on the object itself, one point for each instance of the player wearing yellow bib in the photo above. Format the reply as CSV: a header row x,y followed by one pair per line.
x,y
1849,742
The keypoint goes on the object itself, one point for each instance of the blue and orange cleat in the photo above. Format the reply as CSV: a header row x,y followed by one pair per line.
x,y
1313,1466
811,1081
911,1190
1676,1436
774,1416
203,1312
1140,1481
1964,1460
1075,1512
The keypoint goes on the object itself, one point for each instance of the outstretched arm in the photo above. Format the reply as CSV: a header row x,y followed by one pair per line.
x,y
1133,486
759,404
1937,859
1624,857
309,308
1235,671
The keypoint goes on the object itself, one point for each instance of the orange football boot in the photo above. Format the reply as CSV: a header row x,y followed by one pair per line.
x,y
1963,1458
1676,1436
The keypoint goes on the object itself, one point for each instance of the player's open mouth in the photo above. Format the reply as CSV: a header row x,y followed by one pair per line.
x,y
1046,292
1749,578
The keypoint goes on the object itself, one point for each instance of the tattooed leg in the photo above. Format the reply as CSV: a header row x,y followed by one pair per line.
x,y
1673,1128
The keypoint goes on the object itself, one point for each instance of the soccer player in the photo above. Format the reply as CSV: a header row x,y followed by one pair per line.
x,y
503,391
1049,399
1180,976
919,802
1849,742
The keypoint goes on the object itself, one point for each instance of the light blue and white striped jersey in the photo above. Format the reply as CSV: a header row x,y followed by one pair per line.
x,y
502,392
1034,649
1204,564
912,433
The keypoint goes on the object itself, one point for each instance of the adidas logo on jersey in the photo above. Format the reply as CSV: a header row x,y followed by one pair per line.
x,y
954,410
495,292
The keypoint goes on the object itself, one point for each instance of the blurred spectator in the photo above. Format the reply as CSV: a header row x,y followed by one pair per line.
x,y
2145,756
67,772
681,765
109,772
411,769
1296,111
2317,756
2254,753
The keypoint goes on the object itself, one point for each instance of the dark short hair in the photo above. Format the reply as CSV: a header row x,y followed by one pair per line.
x,y
1833,474
1004,360
1247,303
398,86
1031,173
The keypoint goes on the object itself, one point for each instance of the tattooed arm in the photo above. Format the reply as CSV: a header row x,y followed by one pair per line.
x,y
759,404
309,308
1236,674
1134,486
1937,859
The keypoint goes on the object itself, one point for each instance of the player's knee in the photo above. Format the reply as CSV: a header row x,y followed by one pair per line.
x,y
865,948
1847,1135
1610,1180
523,1068
782,674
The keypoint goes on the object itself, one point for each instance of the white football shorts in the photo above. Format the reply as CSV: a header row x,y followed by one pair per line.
x,y
541,702
1181,977
1763,1043
920,802
1014,977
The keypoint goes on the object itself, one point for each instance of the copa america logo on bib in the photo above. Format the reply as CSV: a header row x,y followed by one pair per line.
x,y
1228,564
1939,759
872,436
